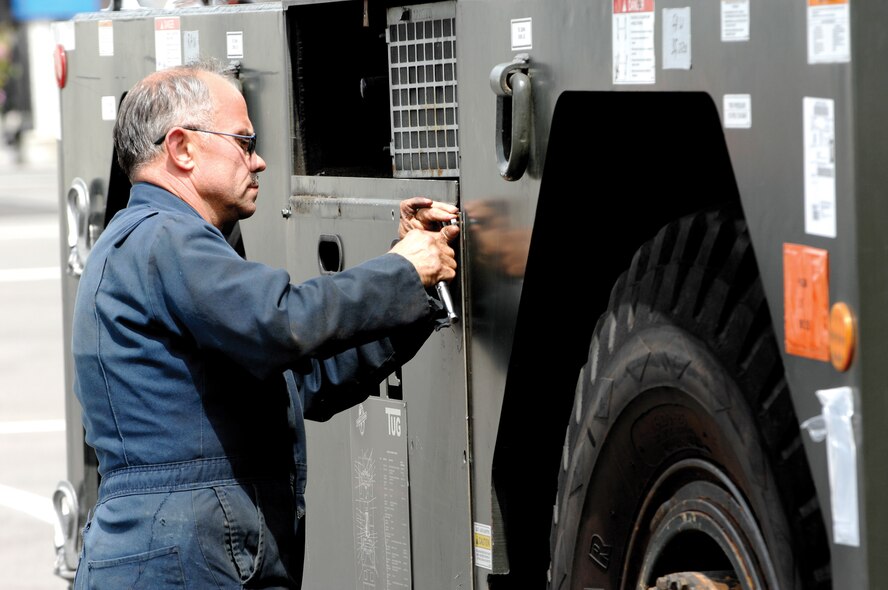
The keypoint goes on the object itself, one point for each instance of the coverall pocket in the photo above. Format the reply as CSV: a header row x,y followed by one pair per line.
x,y
244,527
159,568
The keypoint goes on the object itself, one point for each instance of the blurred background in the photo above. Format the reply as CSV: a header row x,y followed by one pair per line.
x,y
29,100
32,442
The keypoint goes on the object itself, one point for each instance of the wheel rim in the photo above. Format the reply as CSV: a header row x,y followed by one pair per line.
x,y
695,519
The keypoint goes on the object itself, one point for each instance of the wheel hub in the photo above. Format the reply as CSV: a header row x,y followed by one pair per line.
x,y
695,520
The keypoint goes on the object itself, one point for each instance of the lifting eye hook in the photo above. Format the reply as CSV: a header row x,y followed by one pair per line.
x,y
514,108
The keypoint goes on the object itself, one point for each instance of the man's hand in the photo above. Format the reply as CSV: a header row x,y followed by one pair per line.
x,y
430,253
425,214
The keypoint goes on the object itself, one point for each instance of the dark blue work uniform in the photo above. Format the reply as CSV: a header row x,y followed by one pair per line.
x,y
194,368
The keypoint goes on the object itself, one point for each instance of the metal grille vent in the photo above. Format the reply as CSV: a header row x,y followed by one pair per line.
x,y
422,79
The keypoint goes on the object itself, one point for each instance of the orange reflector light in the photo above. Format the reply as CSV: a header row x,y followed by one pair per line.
x,y
841,336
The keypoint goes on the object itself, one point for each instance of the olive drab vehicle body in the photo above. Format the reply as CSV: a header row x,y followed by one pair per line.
x,y
668,365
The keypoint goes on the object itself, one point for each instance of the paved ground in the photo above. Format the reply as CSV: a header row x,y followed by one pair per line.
x,y
32,454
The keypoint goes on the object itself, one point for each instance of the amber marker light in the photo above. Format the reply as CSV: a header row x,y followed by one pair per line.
x,y
841,336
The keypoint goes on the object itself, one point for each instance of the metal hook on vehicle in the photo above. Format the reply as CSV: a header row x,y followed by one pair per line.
x,y
514,107
67,530
78,207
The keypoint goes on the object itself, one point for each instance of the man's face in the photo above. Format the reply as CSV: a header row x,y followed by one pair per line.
x,y
225,175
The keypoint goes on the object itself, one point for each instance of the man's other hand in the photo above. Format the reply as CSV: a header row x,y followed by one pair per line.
x,y
426,214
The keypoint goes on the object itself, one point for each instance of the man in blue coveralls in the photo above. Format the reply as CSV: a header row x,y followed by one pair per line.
x,y
195,367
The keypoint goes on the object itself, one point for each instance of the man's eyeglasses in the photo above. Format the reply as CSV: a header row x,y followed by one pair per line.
x,y
248,142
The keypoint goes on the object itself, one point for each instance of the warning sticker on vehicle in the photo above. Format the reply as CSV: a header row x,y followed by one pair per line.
x,y
737,110
820,166
829,31
483,546
167,42
634,59
806,301
106,37
734,20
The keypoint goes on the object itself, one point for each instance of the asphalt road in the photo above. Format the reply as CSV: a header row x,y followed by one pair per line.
x,y
32,437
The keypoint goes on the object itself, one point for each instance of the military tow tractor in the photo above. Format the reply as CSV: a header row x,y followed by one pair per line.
x,y
668,368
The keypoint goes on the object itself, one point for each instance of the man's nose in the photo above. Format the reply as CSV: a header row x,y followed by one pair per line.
x,y
260,163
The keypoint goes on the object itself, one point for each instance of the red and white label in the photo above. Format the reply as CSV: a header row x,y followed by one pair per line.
x,y
829,31
167,42
626,6
634,58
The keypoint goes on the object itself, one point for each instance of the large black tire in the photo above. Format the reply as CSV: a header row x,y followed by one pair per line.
x,y
683,452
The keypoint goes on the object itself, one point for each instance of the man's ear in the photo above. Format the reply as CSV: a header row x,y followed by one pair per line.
x,y
180,149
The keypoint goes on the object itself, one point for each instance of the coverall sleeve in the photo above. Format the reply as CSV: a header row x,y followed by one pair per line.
x,y
203,291
336,383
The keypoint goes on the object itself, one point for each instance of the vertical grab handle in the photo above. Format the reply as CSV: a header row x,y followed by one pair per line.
x,y
514,107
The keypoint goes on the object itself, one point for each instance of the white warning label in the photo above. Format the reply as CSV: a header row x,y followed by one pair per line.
x,y
167,42
829,31
737,110
820,166
734,20
483,546
634,58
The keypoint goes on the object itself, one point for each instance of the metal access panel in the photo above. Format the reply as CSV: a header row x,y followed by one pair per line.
x,y
373,499
380,494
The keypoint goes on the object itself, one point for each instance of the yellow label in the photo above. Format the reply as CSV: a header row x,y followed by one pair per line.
x,y
482,541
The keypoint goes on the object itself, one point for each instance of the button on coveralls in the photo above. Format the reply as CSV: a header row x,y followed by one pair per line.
x,y
194,369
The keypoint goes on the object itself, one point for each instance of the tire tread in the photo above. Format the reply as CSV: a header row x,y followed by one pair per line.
x,y
699,273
